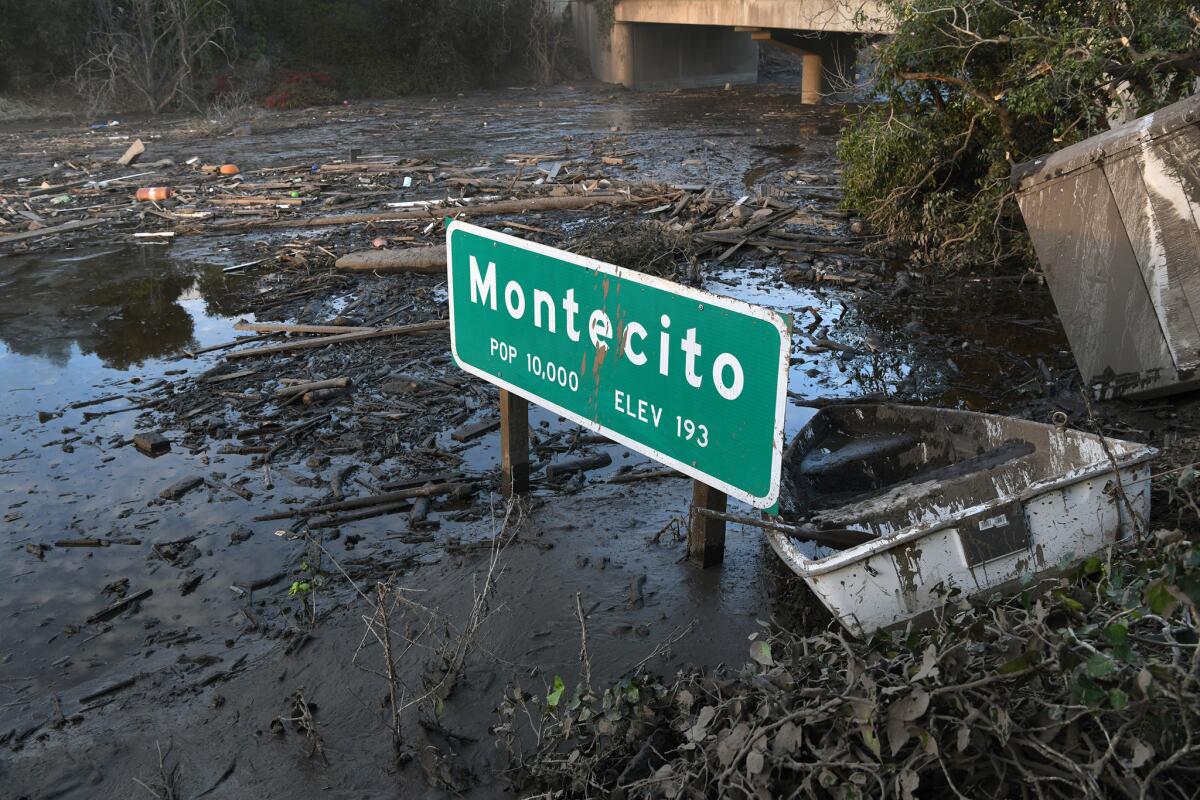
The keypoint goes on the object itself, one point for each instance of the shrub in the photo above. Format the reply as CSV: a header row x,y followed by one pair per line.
x,y
975,86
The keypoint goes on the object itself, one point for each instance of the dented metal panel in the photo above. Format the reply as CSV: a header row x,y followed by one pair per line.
x,y
972,502
1114,220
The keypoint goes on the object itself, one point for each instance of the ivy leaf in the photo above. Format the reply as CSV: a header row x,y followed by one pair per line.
x,y
1159,598
1100,666
1023,661
760,651
1116,633
555,696
1117,699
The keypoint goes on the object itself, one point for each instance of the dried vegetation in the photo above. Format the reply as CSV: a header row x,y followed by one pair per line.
x,y
1086,686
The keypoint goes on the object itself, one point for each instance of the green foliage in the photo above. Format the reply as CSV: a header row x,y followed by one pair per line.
x,y
975,86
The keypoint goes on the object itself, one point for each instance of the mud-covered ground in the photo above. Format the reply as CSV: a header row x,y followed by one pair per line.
x,y
182,641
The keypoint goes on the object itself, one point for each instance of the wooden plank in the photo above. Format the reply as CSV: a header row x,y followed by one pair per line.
x,y
706,535
514,444
473,431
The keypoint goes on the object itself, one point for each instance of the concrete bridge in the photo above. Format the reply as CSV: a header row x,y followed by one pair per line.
x,y
661,44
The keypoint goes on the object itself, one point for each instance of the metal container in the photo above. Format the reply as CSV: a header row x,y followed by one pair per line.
x,y
1114,220
953,502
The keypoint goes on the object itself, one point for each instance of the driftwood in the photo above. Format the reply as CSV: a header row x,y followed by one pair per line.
x,y
432,490
119,606
561,469
418,327
645,475
400,215
283,327
301,388
430,260
75,225
321,395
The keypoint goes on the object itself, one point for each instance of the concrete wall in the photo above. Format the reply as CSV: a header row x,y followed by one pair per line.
x,y
810,15
607,50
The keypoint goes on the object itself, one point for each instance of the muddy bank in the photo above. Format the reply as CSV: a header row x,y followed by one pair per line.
x,y
95,672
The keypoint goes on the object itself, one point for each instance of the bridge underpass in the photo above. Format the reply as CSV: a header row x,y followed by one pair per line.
x,y
663,44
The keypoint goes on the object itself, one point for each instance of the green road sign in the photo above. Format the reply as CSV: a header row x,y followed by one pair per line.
x,y
690,379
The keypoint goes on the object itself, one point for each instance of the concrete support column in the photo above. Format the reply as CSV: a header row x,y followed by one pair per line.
x,y
621,53
811,79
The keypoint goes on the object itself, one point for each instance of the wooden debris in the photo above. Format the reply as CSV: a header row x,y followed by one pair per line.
x,y
152,443
562,469
417,327
473,431
280,327
429,260
517,206
302,388
181,487
132,153
119,606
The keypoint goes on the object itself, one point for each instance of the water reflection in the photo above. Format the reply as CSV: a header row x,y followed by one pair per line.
x,y
122,305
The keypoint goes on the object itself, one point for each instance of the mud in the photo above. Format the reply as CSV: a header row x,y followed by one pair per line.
x,y
206,665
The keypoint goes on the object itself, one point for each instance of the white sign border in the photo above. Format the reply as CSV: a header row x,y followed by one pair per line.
x,y
623,274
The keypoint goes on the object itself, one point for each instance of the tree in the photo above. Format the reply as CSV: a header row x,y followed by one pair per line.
x,y
973,87
152,52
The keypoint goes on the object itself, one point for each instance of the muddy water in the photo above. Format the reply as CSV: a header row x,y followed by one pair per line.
x,y
113,318
88,324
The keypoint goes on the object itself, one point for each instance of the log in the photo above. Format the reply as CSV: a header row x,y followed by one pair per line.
x,y
283,327
561,469
256,201
429,490
74,225
301,388
321,395
428,260
417,327
645,475
569,202
355,516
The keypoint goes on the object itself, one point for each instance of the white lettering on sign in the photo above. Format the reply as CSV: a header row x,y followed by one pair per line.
x,y
631,330
727,375
483,288
993,522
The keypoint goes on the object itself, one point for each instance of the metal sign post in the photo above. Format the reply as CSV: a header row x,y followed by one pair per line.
x,y
693,380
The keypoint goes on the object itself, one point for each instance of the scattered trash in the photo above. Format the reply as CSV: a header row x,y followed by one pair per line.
x,y
132,154
154,194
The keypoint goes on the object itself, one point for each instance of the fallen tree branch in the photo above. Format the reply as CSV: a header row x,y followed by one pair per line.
x,y
417,327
